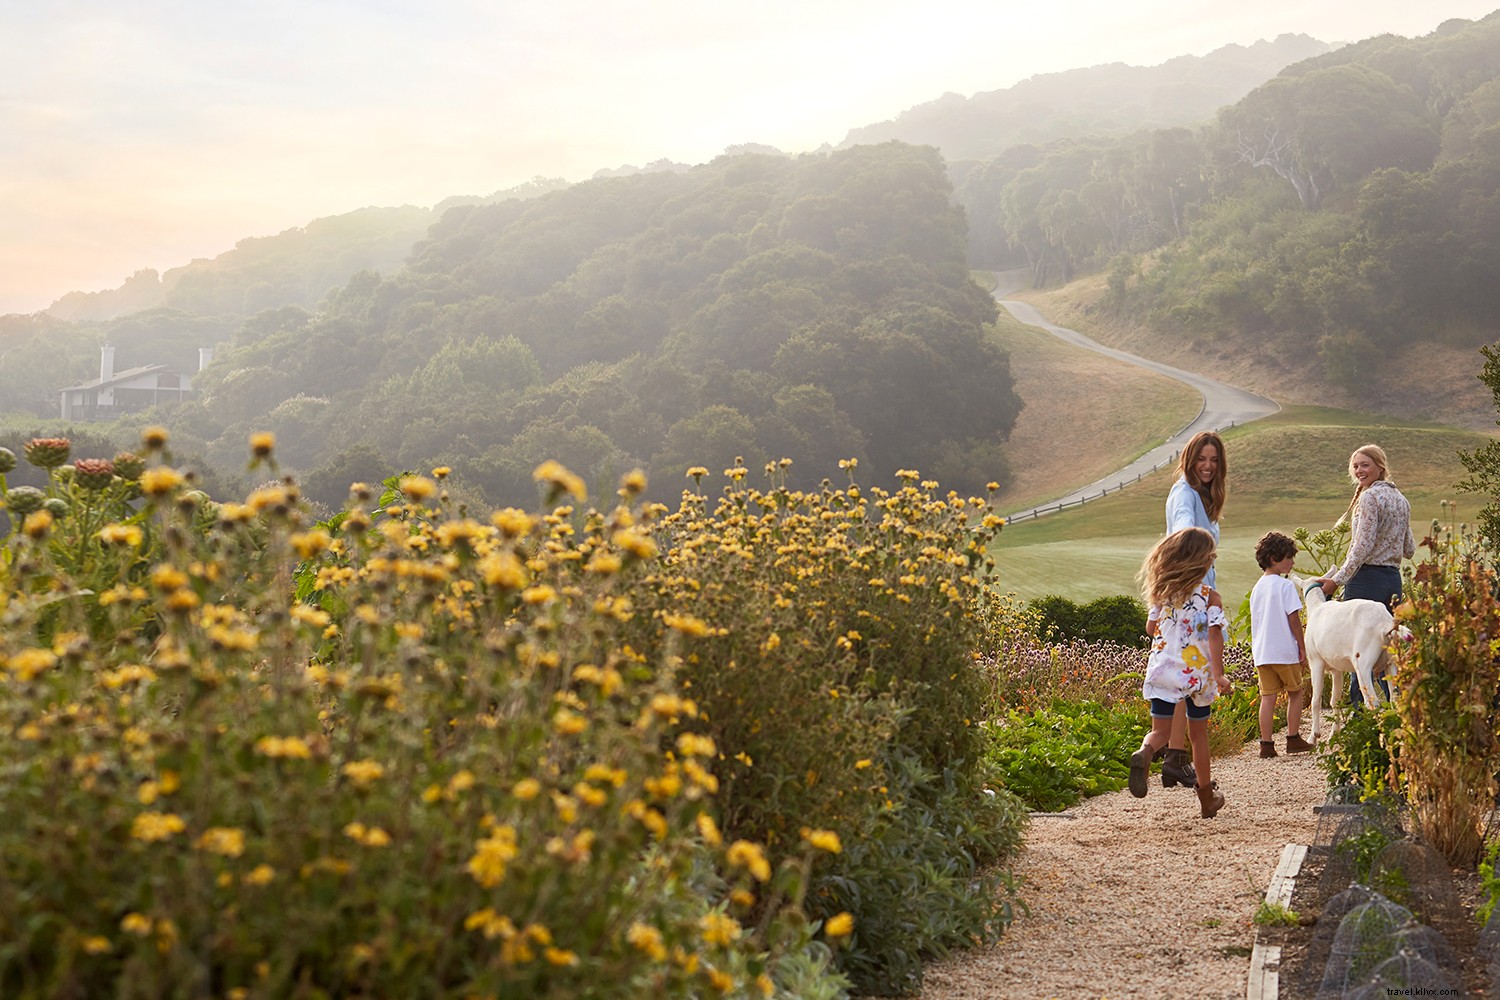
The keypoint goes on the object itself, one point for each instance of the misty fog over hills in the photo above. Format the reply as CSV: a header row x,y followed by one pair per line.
x,y
1099,100
1337,223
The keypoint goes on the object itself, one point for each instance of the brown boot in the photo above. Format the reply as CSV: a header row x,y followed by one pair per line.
x,y
1177,769
1296,744
1210,801
1140,772
1268,748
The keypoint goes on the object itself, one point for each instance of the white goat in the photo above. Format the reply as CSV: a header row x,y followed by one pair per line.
x,y
1350,636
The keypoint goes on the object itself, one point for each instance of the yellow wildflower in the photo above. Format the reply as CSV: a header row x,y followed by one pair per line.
x,y
29,662
160,481
136,923
720,929
278,746
839,925
260,875
417,487
561,480
491,854
823,840
226,840
744,854
120,534
363,772
152,827
648,940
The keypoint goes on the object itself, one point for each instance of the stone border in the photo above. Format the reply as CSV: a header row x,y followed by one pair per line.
x,y
1264,980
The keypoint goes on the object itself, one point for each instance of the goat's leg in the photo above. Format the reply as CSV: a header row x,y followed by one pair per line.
x,y
1315,703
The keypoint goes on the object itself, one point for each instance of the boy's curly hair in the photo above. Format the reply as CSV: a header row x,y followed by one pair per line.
x,y
1272,548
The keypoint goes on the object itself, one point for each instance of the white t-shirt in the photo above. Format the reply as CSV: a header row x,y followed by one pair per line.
x,y
1271,639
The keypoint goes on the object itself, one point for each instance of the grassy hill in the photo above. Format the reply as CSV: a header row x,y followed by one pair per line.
x,y
1285,472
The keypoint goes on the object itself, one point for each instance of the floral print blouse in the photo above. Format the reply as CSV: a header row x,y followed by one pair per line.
x,y
1179,665
1382,531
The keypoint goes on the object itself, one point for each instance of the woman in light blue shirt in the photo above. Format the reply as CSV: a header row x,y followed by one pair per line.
x,y
1196,500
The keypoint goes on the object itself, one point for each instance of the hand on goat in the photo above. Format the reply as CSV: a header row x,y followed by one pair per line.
x,y
1328,586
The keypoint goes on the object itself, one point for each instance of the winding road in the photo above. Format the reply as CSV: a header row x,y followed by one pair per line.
x,y
1223,405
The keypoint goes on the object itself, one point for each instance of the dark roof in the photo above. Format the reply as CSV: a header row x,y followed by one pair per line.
x,y
127,374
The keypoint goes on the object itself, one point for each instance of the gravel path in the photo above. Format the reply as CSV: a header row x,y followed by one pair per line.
x,y
1140,897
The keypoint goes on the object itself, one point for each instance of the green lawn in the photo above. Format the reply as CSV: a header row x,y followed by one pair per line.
x,y
1285,472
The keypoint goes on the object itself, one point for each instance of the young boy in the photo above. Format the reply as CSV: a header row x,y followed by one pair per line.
x,y
1276,641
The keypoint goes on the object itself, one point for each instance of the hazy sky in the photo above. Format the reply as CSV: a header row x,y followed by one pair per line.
x,y
145,134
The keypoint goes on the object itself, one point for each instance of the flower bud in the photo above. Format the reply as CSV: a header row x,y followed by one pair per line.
x,y
23,500
129,465
7,460
47,453
93,473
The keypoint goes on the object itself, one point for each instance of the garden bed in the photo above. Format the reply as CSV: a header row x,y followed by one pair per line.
x,y
1304,949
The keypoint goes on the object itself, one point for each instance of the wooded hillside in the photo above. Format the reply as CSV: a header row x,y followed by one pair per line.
x,y
1342,210
757,307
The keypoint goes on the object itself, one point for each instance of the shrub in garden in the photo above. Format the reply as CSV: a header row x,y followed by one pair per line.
x,y
1359,751
1119,619
1447,750
830,649
441,774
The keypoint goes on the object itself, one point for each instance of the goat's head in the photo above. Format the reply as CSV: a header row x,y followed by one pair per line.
x,y
1311,591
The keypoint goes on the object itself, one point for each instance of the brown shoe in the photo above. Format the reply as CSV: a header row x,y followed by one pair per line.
x,y
1295,744
1140,772
1268,748
1177,769
1210,801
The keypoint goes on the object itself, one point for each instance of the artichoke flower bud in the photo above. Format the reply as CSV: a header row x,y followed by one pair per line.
x,y
47,453
93,473
7,460
23,500
129,465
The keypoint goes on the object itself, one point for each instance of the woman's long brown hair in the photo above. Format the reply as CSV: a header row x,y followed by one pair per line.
x,y
1218,490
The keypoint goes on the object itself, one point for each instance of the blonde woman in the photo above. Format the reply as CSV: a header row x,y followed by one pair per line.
x,y
1380,518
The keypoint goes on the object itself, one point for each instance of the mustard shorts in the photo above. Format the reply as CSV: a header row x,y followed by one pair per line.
x,y
1278,677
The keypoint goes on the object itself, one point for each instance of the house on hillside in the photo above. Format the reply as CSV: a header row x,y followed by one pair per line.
x,y
128,391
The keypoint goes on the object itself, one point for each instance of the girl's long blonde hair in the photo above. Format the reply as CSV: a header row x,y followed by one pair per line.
x,y
1215,493
1175,567
1376,454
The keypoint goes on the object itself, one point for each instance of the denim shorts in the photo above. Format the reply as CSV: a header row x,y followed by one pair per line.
x,y
1163,709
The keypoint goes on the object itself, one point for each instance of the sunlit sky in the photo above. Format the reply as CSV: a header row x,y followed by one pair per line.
x,y
146,134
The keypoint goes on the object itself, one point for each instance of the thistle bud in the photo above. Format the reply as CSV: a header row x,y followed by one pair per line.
x,y
57,507
47,453
23,500
129,465
93,473
7,460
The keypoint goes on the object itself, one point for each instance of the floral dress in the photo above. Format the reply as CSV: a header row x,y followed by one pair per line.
x,y
1179,663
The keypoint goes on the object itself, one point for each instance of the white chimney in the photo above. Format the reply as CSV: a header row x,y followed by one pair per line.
x,y
205,355
106,363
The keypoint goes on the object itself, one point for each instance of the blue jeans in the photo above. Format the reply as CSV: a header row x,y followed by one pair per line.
x,y
1373,583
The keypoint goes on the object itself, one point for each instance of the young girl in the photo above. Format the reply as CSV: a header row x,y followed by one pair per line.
x,y
1186,624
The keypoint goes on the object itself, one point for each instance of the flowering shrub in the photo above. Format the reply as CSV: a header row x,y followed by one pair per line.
x,y
1446,750
441,774
411,751
830,648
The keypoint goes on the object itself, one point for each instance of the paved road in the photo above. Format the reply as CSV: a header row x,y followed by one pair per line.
x,y
1223,405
